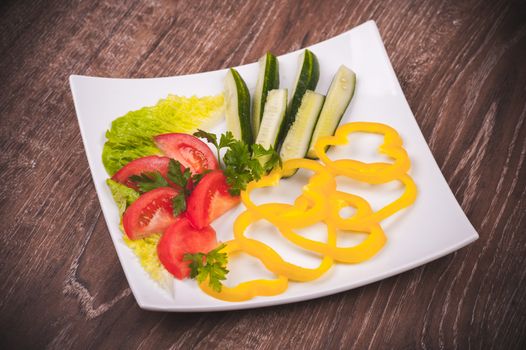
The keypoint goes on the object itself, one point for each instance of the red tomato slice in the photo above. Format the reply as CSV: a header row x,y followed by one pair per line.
x,y
209,199
141,165
181,238
151,213
188,150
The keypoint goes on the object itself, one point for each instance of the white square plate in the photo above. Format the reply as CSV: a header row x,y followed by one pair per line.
x,y
434,226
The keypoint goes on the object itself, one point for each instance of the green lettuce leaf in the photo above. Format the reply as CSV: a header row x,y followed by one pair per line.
x,y
123,195
131,136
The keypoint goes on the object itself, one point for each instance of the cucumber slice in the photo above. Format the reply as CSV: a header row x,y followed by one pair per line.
x,y
297,141
237,107
306,79
338,98
268,79
275,110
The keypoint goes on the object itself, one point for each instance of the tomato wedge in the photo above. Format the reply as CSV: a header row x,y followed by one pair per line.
x,y
181,238
188,150
141,165
210,199
151,213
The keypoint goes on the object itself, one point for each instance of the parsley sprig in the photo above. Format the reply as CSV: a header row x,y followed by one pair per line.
x,y
180,178
242,163
178,175
148,181
211,265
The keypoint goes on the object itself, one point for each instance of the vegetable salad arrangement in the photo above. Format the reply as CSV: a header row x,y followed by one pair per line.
x,y
170,186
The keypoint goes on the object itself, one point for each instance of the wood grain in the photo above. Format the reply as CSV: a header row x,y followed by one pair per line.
x,y
462,66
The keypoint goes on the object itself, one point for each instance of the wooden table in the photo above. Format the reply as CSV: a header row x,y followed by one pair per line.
x,y
462,66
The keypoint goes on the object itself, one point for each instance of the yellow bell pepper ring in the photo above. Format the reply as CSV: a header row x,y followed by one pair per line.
x,y
361,252
314,192
365,250
270,258
246,290
404,201
340,200
374,173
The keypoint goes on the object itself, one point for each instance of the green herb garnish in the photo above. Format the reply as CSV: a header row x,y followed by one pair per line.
x,y
242,163
148,181
178,175
179,203
211,265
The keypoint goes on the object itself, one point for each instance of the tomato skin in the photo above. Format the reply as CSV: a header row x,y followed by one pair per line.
x,y
141,165
151,213
188,150
182,238
210,199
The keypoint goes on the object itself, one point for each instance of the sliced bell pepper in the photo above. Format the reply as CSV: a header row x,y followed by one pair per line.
x,y
319,184
246,290
270,258
363,251
320,201
373,173
360,221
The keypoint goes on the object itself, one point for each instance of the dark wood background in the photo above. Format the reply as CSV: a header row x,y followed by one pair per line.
x,y
462,65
